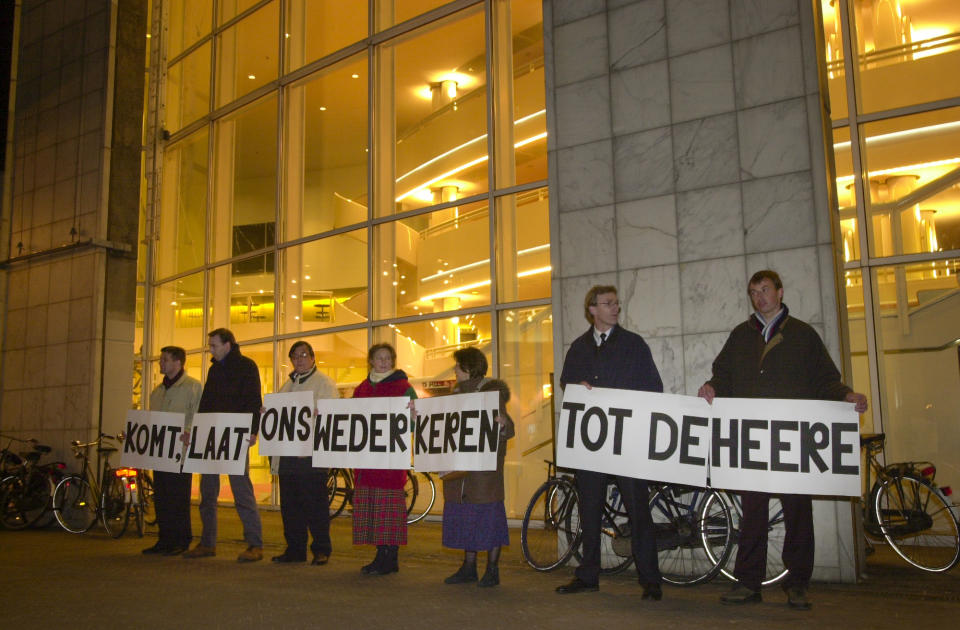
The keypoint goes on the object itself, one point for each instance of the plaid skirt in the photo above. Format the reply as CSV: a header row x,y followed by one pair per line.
x,y
379,517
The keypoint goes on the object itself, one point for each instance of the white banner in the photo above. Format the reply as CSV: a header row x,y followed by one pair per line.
x,y
286,427
772,445
152,440
362,433
457,432
218,443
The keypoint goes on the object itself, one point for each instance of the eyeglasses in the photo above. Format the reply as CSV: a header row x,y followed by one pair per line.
x,y
301,355
614,304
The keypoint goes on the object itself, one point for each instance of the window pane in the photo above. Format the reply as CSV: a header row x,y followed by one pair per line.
x,y
918,323
183,206
341,356
833,53
246,180
521,154
247,54
906,52
188,89
241,297
178,314
526,364
425,348
859,380
846,193
229,9
391,12
262,355
187,23
325,147
440,123
523,246
316,28
324,283
434,262
913,167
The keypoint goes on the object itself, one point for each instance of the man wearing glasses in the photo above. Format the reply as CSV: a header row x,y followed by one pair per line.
x,y
609,356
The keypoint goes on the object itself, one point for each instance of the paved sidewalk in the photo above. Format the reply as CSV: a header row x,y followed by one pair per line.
x,y
53,579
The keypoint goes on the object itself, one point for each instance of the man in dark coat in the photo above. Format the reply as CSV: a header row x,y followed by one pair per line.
x,y
232,386
609,356
774,355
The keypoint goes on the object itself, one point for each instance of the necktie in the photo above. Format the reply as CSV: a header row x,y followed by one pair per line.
x,y
603,337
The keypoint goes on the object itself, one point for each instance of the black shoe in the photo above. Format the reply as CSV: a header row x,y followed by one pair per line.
x,y
175,551
285,558
652,591
320,559
156,549
367,569
464,575
388,562
577,586
797,598
741,595
491,577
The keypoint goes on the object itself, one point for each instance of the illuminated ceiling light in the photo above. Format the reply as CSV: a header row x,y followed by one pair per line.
x,y
384,273
533,272
395,283
148,35
236,282
294,281
403,293
908,167
296,317
354,76
306,277
918,131
293,297
173,303
454,291
251,76
261,291
322,108
286,35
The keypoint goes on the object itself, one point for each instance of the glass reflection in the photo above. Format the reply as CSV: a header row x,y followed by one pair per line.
x,y
178,314
188,89
523,246
342,356
183,206
247,54
316,28
187,24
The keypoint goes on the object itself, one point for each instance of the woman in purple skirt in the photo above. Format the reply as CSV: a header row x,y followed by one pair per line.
x,y
474,518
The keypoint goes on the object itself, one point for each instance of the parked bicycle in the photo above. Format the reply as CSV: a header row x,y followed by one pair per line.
x,y
27,485
547,539
81,499
420,492
906,508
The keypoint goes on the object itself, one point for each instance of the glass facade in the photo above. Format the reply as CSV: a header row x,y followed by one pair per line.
x,y
352,172
896,121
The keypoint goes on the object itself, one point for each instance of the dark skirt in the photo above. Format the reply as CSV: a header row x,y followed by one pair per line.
x,y
379,517
475,526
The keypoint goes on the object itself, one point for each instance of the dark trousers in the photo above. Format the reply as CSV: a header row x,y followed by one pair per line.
x,y
171,492
592,487
798,545
303,506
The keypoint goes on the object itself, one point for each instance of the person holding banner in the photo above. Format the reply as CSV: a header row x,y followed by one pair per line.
x,y
379,506
775,355
474,517
303,488
232,386
606,355
178,393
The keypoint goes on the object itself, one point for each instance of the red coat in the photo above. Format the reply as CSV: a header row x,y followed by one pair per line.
x,y
394,385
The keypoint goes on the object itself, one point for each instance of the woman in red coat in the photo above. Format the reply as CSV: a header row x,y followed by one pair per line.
x,y
379,506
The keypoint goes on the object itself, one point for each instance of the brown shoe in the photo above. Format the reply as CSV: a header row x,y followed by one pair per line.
x,y
251,554
200,551
320,559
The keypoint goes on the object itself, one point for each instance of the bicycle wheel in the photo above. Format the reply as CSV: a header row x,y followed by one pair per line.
x,y
74,504
616,552
47,517
24,500
11,493
544,541
339,490
146,495
420,493
113,506
776,530
918,524
681,520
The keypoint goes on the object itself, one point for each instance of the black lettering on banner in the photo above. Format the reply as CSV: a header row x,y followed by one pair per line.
x,y
398,428
657,418
303,420
810,444
466,431
287,421
839,447
143,438
375,445
174,434
688,440
451,424
436,421
731,442
574,409
618,416
223,450
128,446
778,446
337,433
358,432
321,433
421,441
240,431
747,445
157,434
210,449
593,445
268,424
192,452
489,431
